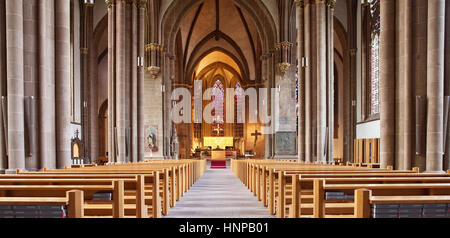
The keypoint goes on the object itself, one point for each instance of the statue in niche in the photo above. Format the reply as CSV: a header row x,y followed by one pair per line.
x,y
174,147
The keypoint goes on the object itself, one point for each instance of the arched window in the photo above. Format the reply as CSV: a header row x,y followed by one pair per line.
x,y
374,105
198,97
370,52
239,100
297,78
218,97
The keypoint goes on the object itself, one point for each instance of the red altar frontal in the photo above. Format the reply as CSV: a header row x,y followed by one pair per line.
x,y
218,160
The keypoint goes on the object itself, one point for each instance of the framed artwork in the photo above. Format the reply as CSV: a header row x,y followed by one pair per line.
x,y
285,143
151,141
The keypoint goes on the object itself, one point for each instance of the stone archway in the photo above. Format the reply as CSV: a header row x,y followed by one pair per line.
x,y
103,130
256,9
172,19
343,80
340,82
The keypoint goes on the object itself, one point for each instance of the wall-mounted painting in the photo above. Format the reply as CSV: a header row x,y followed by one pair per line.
x,y
151,142
285,143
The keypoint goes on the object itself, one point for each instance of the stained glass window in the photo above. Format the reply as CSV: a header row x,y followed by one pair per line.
x,y
297,96
239,100
198,117
374,57
218,97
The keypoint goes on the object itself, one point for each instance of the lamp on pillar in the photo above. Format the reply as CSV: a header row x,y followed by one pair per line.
x,y
140,62
283,50
153,51
90,2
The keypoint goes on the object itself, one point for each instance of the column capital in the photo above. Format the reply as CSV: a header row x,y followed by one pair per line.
x,y
84,51
110,3
153,46
300,3
283,45
331,4
319,1
141,4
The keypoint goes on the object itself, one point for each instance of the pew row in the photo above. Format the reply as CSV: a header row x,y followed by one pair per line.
x,y
146,189
290,189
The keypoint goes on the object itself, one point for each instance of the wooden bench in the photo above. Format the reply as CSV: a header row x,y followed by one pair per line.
x,y
254,177
320,207
151,185
74,201
167,193
138,188
134,189
365,204
117,206
301,186
264,182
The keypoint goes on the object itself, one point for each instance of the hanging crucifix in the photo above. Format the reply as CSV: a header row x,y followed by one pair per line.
x,y
217,130
256,134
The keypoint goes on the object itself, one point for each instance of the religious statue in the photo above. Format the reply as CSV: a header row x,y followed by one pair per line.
x,y
174,145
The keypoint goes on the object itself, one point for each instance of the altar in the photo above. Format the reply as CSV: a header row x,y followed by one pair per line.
x,y
218,159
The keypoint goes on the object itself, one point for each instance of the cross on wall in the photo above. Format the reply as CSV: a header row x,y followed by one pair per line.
x,y
256,135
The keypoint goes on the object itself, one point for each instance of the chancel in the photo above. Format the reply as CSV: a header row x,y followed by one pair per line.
x,y
225,108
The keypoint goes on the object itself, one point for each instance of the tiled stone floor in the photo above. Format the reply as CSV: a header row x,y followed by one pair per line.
x,y
219,194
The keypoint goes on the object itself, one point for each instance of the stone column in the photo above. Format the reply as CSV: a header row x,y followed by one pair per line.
x,y
62,81
93,99
387,83
313,81
46,103
265,79
419,74
141,72
406,91
120,102
86,48
134,83
15,86
321,79
447,79
3,79
111,80
330,77
308,88
435,84
301,79
127,81
350,95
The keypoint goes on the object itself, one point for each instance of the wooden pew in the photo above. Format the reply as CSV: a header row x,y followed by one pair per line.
x,y
264,180
61,190
305,184
271,183
322,207
364,201
118,169
74,201
132,183
254,179
168,180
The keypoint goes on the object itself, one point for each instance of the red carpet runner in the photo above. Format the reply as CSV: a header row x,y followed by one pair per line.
x,y
218,164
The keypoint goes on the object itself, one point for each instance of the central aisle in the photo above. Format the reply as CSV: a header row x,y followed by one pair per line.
x,y
219,194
